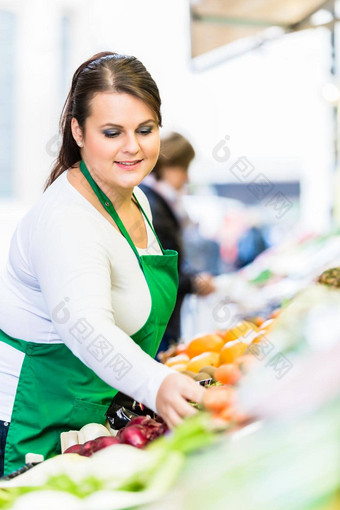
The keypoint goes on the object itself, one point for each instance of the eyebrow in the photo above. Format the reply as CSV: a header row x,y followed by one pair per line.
x,y
122,127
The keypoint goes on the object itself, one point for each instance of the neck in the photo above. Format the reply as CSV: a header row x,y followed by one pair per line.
x,y
121,198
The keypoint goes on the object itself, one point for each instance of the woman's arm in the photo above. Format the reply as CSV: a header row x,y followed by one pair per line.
x,y
69,254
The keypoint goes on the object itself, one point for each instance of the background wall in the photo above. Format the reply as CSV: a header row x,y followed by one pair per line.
x,y
269,102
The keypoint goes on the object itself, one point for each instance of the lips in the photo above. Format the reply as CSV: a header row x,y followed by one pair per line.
x,y
128,164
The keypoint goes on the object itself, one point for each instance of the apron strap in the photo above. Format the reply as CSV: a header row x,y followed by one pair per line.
x,y
149,223
20,345
107,204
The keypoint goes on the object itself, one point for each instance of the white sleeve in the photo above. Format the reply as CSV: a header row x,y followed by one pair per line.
x,y
70,258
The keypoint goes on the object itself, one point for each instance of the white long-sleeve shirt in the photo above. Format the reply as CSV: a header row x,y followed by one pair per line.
x,y
71,275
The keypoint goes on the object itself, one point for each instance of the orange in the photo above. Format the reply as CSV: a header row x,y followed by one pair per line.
x,y
180,367
241,329
259,336
258,320
180,358
227,374
220,334
206,343
181,348
231,351
267,326
206,359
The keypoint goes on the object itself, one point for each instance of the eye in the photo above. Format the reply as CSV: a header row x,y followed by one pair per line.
x,y
110,134
145,131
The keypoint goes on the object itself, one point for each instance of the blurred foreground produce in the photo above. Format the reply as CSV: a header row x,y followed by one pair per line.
x,y
288,465
296,369
92,446
117,477
138,432
288,458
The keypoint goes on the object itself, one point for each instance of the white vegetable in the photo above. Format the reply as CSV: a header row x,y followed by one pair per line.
x,y
115,500
72,464
159,483
118,462
68,439
92,431
113,464
33,457
51,500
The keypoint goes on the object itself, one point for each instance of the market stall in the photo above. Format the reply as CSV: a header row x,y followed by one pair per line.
x,y
266,435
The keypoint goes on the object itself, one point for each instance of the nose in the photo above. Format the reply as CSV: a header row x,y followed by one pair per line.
x,y
131,144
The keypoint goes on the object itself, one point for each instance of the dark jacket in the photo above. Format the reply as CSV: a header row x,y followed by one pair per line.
x,y
169,231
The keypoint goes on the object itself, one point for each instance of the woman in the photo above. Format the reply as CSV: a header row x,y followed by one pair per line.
x,y
84,301
163,189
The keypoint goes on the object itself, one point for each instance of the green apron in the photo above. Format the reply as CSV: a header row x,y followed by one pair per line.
x,y
56,391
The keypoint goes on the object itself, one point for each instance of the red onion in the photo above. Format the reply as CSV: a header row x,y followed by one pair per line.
x,y
150,423
134,435
92,446
76,448
139,420
104,441
146,429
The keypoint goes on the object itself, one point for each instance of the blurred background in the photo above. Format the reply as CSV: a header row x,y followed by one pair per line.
x,y
252,85
255,87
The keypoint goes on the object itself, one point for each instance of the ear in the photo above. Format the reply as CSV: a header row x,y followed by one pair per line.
x,y
76,132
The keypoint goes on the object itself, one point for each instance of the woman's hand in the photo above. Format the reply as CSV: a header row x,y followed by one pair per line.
x,y
173,398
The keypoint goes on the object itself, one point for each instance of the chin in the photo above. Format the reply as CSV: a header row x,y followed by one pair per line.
x,y
133,180
130,183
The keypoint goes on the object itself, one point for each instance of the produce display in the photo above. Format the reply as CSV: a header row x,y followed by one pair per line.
x,y
287,457
219,360
274,277
138,432
119,476
266,435
286,465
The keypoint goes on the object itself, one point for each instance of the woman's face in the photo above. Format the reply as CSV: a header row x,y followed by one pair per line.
x,y
120,139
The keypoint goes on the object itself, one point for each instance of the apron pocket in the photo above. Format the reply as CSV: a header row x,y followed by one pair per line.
x,y
84,412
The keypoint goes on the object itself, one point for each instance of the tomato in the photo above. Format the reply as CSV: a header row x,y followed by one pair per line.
x,y
227,374
218,398
227,414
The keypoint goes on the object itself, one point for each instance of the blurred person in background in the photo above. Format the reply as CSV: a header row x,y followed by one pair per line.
x,y
251,241
250,244
164,188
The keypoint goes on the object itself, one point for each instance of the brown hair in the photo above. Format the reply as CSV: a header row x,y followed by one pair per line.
x,y
104,72
175,150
